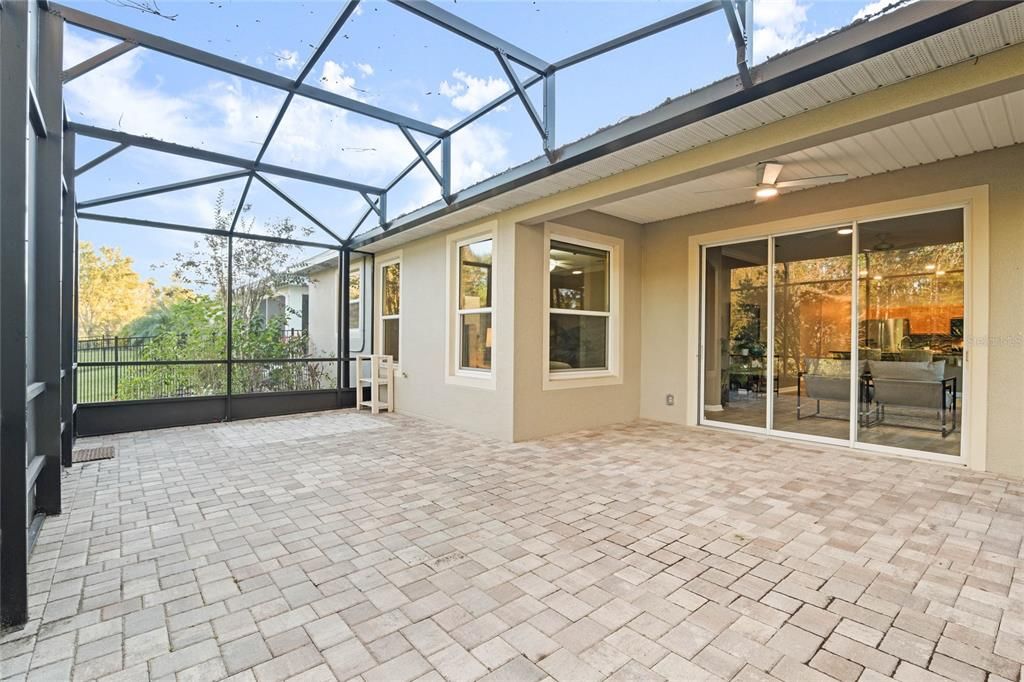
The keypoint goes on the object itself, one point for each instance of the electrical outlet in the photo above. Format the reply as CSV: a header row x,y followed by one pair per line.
x,y
670,399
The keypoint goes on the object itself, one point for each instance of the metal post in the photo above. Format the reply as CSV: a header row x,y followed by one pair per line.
x,y
69,321
345,264
549,113
229,313
117,366
46,241
13,127
748,29
446,168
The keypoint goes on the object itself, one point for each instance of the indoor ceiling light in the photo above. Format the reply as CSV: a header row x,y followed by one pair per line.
x,y
766,192
577,272
845,230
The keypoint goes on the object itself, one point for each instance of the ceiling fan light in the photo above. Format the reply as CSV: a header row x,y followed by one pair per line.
x,y
845,231
766,192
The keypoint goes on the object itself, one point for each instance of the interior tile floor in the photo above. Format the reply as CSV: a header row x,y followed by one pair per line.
x,y
340,545
904,427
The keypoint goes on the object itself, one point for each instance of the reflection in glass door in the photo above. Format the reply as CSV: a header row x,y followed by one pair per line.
x,y
910,315
735,386
812,307
850,334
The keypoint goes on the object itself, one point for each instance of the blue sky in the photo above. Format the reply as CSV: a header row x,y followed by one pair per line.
x,y
392,59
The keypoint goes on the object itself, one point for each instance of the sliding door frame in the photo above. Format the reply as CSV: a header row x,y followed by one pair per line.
x,y
973,202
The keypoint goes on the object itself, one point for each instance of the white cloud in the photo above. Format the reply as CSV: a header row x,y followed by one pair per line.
x,y
469,93
780,25
478,152
286,60
365,69
334,79
231,115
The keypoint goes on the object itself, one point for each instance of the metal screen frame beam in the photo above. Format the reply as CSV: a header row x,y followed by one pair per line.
x,y
472,32
162,225
97,60
174,148
234,68
163,189
647,31
89,165
298,207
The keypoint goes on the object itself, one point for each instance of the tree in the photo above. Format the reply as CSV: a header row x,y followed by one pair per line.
x,y
261,268
188,325
110,292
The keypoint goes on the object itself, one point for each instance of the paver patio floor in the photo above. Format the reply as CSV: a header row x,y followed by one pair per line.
x,y
338,545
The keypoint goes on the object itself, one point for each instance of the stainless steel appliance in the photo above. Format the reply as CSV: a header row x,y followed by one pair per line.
x,y
886,335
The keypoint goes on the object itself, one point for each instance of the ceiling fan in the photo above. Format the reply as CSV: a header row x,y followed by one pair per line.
x,y
768,184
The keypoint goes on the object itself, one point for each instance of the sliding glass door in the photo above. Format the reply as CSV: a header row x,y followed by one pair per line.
x,y
813,303
736,334
910,319
849,334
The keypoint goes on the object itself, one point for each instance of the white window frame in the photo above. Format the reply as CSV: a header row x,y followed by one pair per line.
x,y
356,332
584,378
391,259
455,373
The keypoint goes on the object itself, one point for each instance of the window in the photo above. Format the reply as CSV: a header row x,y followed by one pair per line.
x,y
582,308
474,324
355,313
391,299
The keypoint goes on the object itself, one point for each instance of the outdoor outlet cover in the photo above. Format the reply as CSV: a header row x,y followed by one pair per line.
x,y
670,399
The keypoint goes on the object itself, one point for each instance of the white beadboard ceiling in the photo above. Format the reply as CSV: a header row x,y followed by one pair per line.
x,y
976,127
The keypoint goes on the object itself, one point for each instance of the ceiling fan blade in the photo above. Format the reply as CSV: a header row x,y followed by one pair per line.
x,y
809,182
769,172
724,189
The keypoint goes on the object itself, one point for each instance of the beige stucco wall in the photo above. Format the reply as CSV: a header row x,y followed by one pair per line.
x,y
539,412
666,295
422,385
323,312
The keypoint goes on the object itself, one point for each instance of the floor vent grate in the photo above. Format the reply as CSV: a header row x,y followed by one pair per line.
x,y
92,454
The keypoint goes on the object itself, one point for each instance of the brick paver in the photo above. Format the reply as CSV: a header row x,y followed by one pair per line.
x,y
339,545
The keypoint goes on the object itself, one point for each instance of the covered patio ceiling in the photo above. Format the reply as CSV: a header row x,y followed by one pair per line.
x,y
968,129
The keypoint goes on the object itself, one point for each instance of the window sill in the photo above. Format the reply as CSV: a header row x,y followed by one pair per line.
x,y
554,381
484,380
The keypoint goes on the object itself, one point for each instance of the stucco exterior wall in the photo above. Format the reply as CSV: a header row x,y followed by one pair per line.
x,y
422,382
666,360
323,313
539,412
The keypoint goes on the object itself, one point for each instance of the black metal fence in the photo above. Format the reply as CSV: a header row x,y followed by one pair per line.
x,y
119,368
